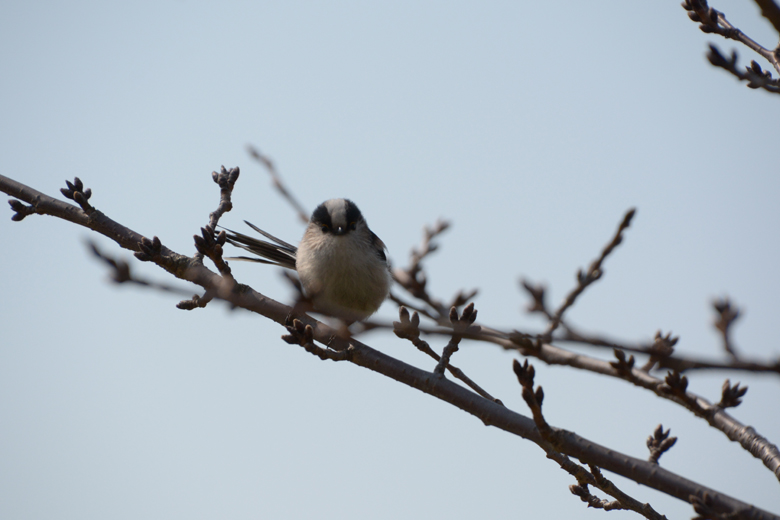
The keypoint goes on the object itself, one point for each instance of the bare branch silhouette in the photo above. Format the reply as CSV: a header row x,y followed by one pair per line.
x,y
276,179
713,21
307,331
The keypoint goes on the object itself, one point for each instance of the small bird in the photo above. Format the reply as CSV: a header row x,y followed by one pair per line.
x,y
341,263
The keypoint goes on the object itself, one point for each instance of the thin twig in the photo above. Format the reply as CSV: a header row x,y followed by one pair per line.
x,y
207,244
303,335
226,180
727,315
552,440
413,278
408,328
460,326
771,11
713,21
428,313
277,182
121,273
754,75
659,443
585,279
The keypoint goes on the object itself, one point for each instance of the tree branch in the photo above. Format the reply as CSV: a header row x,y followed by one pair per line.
x,y
490,413
276,179
771,11
713,21
584,279
660,355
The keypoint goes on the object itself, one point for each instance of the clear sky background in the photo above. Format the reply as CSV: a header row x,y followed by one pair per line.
x,y
531,126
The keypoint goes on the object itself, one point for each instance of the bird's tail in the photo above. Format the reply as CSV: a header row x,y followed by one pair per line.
x,y
277,252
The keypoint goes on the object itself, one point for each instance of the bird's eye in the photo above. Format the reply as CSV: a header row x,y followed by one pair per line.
x,y
324,229
352,225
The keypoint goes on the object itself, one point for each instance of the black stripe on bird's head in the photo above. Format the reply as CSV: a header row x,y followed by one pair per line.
x,y
337,216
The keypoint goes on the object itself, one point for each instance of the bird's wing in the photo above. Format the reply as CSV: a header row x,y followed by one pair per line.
x,y
279,253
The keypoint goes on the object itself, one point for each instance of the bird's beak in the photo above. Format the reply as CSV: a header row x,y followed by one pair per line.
x,y
339,230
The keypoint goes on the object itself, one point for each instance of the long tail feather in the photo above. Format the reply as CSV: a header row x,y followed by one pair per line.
x,y
280,253
269,236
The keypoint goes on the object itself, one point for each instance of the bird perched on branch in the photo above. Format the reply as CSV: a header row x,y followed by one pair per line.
x,y
341,263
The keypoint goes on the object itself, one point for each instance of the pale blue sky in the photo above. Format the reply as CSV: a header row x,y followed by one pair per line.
x,y
532,127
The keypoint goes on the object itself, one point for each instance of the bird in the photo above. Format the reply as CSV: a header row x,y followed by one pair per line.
x,y
341,263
